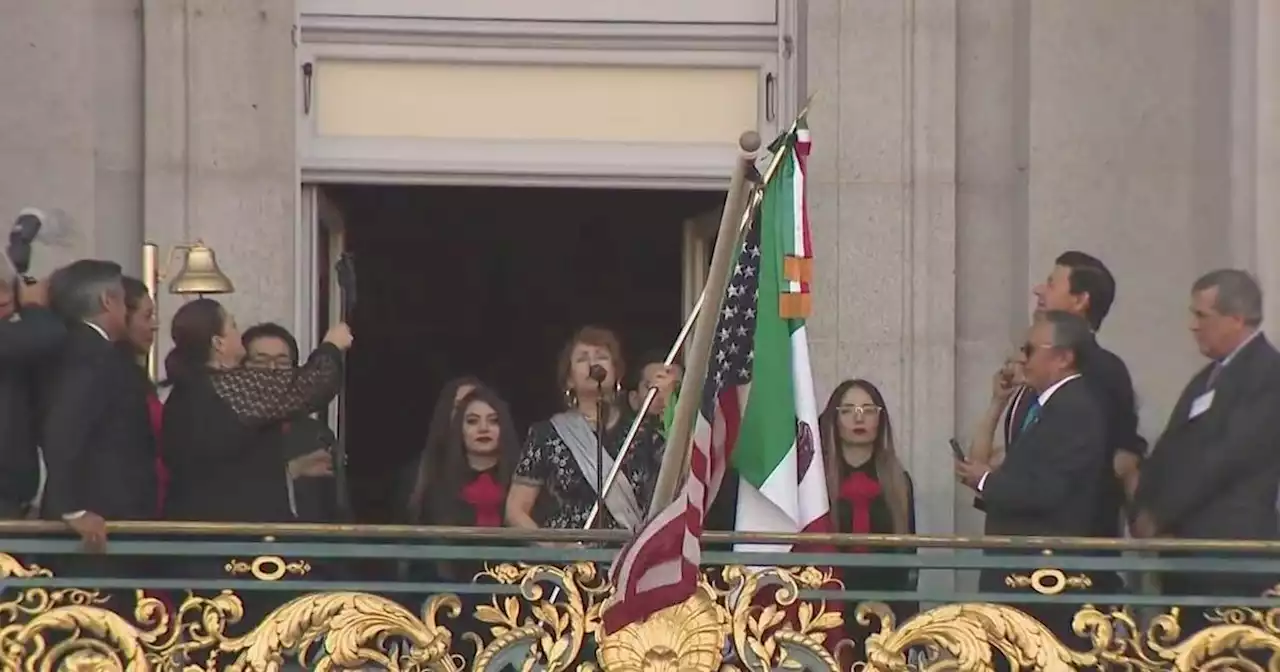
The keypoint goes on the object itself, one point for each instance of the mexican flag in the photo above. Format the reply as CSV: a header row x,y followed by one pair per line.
x,y
777,455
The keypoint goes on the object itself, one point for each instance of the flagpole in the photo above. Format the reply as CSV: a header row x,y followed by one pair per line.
x,y
748,145
675,463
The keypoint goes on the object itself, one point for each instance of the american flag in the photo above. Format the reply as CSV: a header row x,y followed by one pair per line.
x,y
659,568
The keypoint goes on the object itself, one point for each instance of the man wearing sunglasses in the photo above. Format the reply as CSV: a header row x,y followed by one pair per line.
x,y
1082,285
1049,483
1079,284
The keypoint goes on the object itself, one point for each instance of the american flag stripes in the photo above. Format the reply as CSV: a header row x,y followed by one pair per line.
x,y
659,568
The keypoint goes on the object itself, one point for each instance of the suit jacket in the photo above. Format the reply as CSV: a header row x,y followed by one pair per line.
x,y
222,438
1215,476
1048,484
315,497
29,341
98,444
1108,379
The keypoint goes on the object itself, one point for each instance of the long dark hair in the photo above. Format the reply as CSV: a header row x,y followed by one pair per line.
x,y
452,472
889,469
193,328
437,438
134,292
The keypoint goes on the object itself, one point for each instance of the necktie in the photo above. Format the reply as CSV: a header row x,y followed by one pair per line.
x,y
861,491
1033,414
1213,375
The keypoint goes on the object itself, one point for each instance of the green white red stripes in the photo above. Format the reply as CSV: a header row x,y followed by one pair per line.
x,y
783,488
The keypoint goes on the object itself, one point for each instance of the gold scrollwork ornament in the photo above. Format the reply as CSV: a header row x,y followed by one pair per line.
x,y
687,637
1048,581
69,629
540,635
758,613
766,633
267,567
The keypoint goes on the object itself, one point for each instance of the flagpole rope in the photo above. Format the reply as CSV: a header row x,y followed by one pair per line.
x,y
757,195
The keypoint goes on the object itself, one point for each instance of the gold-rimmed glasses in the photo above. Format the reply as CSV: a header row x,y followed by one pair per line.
x,y
858,411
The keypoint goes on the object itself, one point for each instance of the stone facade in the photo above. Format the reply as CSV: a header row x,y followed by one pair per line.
x,y
959,147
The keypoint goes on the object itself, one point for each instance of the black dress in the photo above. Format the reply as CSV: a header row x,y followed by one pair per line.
x,y
567,495
222,442
863,509
222,438
479,502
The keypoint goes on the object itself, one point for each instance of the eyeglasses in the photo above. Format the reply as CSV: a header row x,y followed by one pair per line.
x,y
1029,348
869,410
259,361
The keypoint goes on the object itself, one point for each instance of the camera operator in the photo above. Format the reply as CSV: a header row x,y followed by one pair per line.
x,y
30,335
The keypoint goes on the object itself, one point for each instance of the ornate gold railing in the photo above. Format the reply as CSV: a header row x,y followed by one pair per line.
x,y
264,607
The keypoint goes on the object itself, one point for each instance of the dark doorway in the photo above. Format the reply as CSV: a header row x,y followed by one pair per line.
x,y
491,282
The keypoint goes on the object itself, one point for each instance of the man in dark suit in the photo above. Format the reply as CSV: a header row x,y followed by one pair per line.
x,y
30,336
1082,285
1214,472
1049,482
306,441
98,444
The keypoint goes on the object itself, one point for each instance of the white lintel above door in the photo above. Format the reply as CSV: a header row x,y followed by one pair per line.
x,y
648,11
465,97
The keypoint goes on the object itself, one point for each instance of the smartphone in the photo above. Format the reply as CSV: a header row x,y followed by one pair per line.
x,y
958,451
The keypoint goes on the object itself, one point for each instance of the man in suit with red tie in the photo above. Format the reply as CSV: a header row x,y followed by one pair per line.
x,y
1215,472
1049,481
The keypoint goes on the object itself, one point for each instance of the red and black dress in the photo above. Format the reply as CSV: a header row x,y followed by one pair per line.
x,y
863,509
480,501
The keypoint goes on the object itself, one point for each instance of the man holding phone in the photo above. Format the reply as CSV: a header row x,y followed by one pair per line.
x,y
1082,285
1048,483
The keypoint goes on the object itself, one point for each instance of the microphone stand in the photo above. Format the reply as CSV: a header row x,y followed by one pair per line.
x,y
601,408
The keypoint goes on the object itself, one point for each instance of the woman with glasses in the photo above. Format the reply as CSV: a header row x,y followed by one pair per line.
x,y
870,490
305,439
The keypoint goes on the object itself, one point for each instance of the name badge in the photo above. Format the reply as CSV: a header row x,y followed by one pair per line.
x,y
1201,404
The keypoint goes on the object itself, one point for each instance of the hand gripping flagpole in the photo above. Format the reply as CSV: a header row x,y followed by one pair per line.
x,y
734,205
749,143
747,198
346,271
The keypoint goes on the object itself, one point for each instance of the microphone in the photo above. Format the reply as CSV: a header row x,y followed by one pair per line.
x,y
598,374
25,230
52,228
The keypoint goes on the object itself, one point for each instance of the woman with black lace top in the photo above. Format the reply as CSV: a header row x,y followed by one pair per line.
x,y
560,460
221,421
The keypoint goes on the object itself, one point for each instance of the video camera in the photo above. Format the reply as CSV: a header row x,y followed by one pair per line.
x,y
25,230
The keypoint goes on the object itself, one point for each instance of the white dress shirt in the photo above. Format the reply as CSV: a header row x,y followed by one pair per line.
x,y
1044,399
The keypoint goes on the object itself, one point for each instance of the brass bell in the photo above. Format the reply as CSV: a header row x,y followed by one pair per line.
x,y
200,274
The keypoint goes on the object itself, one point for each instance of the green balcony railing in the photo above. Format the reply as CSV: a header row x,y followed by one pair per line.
x,y
193,596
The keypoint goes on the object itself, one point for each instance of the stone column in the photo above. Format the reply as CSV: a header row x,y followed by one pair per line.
x,y
883,211
70,73
1266,156
221,162
992,275
1129,158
